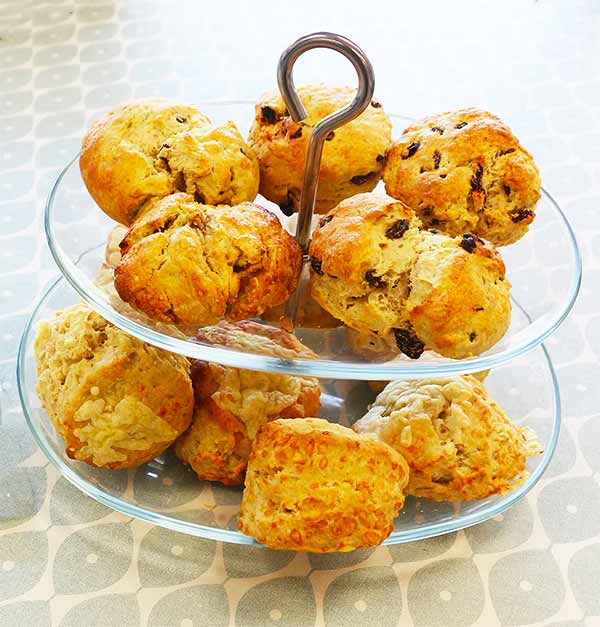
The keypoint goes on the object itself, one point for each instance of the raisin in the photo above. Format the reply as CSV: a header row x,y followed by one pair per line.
x,y
397,229
461,125
520,215
506,189
297,133
506,152
408,343
268,115
380,158
468,242
324,220
316,264
427,211
443,176
359,179
166,146
437,157
478,308
240,267
375,104
180,119
410,151
287,208
437,129
472,336
435,221
476,185
373,280
198,197
329,136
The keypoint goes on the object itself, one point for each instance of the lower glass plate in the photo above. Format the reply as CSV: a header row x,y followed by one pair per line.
x,y
166,493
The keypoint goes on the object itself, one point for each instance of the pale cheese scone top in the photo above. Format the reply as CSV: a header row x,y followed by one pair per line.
x,y
233,403
316,486
152,147
116,401
353,154
458,443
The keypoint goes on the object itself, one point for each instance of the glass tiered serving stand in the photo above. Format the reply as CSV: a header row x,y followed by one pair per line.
x,y
544,268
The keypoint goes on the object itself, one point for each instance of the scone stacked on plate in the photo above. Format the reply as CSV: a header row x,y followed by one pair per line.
x,y
232,404
375,268
353,155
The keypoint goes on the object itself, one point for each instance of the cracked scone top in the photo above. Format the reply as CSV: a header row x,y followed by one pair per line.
x,y
232,403
377,270
457,442
154,147
115,401
465,171
316,486
192,264
352,158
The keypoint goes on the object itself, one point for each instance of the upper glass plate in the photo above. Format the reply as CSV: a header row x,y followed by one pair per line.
x,y
544,268
167,493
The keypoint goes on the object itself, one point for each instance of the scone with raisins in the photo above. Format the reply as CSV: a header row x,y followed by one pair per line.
x,y
465,172
458,443
154,147
115,401
232,403
377,270
316,486
192,264
353,155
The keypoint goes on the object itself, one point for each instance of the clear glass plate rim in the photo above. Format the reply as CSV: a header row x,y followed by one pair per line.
x,y
236,537
318,368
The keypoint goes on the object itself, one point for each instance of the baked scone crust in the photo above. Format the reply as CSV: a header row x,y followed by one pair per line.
x,y
316,486
465,171
192,264
153,147
353,155
232,404
458,443
361,256
459,301
116,401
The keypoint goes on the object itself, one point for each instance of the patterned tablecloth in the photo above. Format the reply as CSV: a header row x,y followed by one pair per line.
x,y
66,560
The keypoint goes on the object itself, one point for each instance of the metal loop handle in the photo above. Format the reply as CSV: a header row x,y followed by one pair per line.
x,y
364,94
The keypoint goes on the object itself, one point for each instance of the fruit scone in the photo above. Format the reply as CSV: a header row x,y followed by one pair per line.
x,y
193,264
465,171
115,401
231,404
375,268
153,147
458,443
353,155
316,486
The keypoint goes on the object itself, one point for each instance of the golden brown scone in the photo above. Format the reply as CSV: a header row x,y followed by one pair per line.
x,y
232,404
193,264
374,268
464,171
115,401
353,155
154,147
459,302
316,486
458,443
361,256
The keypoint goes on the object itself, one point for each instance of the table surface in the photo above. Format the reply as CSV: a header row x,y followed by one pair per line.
x,y
66,560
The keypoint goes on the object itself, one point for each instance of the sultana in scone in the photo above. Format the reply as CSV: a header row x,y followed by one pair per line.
x,y
353,155
377,270
232,404
316,486
115,401
154,147
464,171
457,442
191,264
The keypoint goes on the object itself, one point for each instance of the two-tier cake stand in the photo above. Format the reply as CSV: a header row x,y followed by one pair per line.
x,y
544,268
